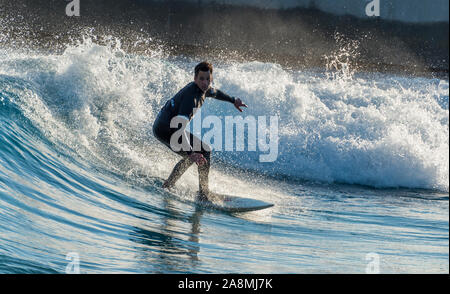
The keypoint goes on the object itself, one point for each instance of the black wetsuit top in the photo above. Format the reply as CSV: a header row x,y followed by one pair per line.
x,y
183,103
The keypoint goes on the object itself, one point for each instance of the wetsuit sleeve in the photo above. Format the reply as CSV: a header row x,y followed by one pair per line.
x,y
219,95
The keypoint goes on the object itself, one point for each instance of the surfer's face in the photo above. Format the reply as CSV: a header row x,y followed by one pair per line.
x,y
203,80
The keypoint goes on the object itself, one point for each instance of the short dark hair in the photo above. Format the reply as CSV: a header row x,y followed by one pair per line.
x,y
203,66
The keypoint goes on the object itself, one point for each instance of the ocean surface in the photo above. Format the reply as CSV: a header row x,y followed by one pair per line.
x,y
360,182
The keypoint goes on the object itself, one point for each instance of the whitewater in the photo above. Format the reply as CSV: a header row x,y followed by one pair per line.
x,y
362,167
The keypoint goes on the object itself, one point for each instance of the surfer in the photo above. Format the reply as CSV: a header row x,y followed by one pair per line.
x,y
179,110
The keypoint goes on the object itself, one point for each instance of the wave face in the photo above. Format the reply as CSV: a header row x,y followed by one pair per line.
x,y
335,126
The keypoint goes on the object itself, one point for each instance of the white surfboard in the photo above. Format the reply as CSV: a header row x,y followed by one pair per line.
x,y
227,203
230,203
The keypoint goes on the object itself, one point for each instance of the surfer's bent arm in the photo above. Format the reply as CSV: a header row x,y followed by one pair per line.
x,y
219,95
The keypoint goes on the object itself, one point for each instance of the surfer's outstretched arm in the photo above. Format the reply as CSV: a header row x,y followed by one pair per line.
x,y
219,95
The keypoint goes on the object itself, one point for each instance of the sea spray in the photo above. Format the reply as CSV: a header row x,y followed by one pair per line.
x,y
338,126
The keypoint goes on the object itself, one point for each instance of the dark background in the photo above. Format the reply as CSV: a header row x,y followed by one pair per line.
x,y
294,38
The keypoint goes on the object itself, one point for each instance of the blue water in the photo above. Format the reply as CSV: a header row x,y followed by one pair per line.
x,y
362,169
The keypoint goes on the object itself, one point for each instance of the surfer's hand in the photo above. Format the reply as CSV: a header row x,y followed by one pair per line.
x,y
197,158
238,103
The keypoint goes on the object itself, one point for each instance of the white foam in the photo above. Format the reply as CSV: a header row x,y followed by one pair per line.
x,y
379,130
